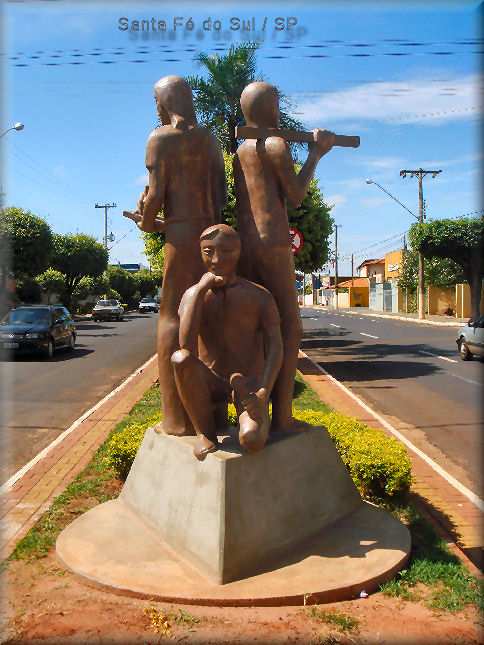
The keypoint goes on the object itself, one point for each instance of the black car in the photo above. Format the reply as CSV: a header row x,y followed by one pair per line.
x,y
38,328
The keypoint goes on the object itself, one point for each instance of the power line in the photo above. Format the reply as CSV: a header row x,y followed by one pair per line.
x,y
266,57
224,45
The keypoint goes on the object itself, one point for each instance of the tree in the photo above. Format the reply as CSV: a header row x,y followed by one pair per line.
x,y
313,220
123,282
462,241
145,283
91,287
51,281
25,244
154,251
77,256
28,290
438,272
217,99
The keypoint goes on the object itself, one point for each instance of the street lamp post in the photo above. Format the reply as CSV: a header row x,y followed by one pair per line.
x,y
421,295
18,126
421,287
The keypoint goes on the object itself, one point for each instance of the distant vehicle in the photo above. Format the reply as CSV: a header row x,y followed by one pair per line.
x,y
470,339
148,304
108,310
37,328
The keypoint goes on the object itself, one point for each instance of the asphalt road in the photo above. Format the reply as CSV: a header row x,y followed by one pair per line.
x,y
412,374
40,398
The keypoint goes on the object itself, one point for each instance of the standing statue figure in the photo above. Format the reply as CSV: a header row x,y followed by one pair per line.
x,y
186,179
230,344
264,179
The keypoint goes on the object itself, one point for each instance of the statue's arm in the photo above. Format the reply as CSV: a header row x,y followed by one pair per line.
x,y
295,186
190,311
151,203
273,345
259,400
219,185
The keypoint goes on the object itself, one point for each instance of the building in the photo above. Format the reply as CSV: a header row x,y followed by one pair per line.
x,y
393,265
373,269
130,267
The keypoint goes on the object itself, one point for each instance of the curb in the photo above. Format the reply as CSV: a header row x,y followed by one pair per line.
x,y
30,491
444,500
425,321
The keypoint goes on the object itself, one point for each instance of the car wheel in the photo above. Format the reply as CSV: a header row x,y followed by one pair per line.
x,y
465,353
72,342
49,351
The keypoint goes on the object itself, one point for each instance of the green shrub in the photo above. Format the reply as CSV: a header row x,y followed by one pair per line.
x,y
379,465
122,446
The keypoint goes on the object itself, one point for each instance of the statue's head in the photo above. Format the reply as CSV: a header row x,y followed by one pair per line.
x,y
260,105
174,98
220,247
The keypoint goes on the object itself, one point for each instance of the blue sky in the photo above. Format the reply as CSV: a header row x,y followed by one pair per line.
x,y
405,77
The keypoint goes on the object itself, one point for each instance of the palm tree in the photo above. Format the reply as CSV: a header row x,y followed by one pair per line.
x,y
217,98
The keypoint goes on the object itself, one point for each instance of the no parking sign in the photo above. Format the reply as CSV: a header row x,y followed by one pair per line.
x,y
296,240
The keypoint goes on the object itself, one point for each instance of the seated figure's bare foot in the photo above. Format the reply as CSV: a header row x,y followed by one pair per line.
x,y
292,426
252,434
203,447
178,431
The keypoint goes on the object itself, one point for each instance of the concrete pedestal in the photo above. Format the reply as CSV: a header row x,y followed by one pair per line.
x,y
267,528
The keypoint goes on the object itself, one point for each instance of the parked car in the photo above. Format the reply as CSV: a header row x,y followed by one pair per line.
x,y
38,328
147,304
470,339
108,310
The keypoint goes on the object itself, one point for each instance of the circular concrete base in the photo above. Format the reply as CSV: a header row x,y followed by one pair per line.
x,y
109,547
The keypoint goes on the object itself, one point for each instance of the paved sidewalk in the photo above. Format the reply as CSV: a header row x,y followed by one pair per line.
x,y
457,518
432,319
30,496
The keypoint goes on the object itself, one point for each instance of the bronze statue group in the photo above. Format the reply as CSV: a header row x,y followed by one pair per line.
x,y
229,326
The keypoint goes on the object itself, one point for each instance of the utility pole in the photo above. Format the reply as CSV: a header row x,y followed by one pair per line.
x,y
352,269
420,173
336,226
105,206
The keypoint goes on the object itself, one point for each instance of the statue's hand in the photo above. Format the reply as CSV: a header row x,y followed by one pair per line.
x,y
211,281
323,141
256,403
141,200
133,215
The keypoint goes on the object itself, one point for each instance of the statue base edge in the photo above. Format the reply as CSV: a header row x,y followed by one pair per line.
x,y
109,547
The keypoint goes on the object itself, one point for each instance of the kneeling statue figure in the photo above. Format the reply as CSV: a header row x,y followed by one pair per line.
x,y
230,346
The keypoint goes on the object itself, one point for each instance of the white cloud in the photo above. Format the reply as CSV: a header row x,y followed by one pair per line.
x,y
426,101
335,200
142,180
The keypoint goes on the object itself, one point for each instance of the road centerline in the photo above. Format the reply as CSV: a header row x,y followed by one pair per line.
x,y
443,358
369,335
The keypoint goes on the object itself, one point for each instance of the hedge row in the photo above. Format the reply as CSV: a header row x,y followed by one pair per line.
x,y
379,465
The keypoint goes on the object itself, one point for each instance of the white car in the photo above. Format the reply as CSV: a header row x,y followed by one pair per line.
x,y
108,310
470,339
148,304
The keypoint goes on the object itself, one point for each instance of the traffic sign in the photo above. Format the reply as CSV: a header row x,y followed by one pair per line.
x,y
296,240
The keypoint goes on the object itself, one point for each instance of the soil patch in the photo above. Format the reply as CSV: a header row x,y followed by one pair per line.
x,y
45,603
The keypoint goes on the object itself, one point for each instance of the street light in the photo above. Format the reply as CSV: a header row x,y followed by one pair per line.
x,y
370,181
420,256
18,126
